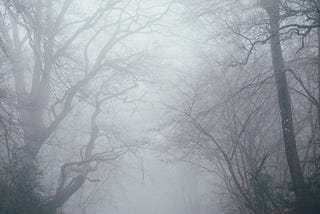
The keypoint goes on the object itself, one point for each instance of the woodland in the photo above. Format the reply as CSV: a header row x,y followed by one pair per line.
x,y
213,103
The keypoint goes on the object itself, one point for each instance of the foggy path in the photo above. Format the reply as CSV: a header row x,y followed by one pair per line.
x,y
161,187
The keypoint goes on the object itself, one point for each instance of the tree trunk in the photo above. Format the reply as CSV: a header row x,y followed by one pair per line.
x,y
318,66
296,174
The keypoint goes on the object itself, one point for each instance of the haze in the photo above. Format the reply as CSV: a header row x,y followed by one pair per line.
x,y
159,106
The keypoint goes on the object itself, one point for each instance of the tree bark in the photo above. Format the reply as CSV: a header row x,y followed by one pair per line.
x,y
318,66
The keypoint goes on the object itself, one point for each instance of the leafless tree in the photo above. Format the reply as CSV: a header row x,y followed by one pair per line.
x,y
63,57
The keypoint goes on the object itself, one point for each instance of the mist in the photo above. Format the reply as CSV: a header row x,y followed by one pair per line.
x,y
159,107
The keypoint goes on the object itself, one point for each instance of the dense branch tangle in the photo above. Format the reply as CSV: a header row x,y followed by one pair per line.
x,y
62,54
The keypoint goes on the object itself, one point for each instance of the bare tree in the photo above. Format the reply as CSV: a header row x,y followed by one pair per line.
x,y
254,23
61,57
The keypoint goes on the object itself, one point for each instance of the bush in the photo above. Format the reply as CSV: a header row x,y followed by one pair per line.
x,y
20,189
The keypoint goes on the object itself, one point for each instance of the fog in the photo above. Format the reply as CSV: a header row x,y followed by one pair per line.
x,y
159,106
